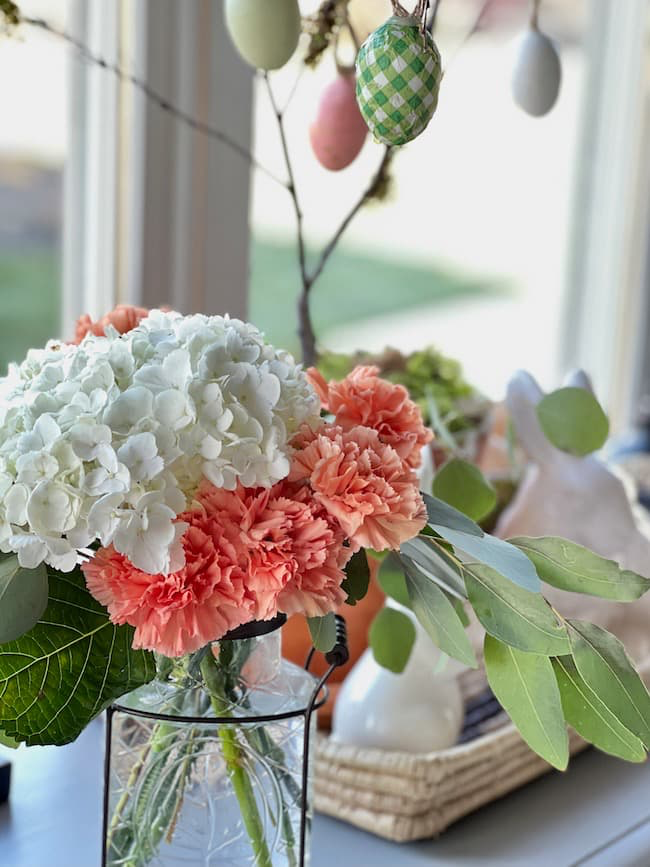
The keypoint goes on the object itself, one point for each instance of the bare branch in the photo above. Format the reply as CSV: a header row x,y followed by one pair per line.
x,y
154,96
305,327
369,193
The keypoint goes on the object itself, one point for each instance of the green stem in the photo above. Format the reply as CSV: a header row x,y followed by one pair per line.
x,y
264,744
234,759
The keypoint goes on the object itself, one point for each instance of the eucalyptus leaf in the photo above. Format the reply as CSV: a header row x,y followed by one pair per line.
x,y
515,616
591,718
391,579
357,577
432,559
606,668
502,556
569,566
391,637
23,597
74,663
573,420
438,616
444,515
323,632
463,486
459,608
526,688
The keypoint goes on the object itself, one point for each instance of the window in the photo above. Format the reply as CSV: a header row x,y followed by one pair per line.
x,y
469,253
491,209
32,154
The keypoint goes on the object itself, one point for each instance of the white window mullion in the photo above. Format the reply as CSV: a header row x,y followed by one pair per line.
x,y
163,217
607,290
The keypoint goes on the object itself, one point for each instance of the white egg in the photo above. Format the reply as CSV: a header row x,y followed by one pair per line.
x,y
537,73
418,711
265,32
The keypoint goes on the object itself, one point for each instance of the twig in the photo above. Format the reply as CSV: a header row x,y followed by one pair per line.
x,y
157,98
470,33
367,194
307,279
305,327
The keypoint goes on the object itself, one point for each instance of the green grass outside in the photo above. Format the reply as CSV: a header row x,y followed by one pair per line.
x,y
30,301
354,286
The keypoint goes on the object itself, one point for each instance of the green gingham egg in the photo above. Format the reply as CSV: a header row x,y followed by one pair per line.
x,y
398,78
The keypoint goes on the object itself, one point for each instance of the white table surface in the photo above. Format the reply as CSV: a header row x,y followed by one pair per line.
x,y
595,815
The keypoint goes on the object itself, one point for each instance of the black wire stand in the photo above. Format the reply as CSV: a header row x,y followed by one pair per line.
x,y
336,657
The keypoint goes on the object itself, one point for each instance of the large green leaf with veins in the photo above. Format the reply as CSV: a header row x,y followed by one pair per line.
x,y
72,665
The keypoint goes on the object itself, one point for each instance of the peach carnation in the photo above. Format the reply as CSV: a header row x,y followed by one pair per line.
x,y
294,549
123,318
363,398
362,482
178,613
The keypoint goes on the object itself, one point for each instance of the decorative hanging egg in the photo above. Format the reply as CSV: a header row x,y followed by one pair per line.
x,y
339,131
537,73
265,33
398,79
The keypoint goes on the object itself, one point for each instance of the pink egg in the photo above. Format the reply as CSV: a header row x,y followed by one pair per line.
x,y
339,131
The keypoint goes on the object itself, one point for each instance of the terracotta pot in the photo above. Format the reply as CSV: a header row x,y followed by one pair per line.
x,y
296,641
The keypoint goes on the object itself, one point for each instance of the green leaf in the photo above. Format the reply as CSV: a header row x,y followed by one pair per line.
x,y
23,597
437,615
591,718
357,577
323,632
391,637
463,486
573,420
459,608
444,515
432,559
514,615
391,580
6,741
526,688
572,567
605,667
74,663
502,556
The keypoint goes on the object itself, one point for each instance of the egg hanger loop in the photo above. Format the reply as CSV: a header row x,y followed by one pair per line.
x,y
420,11
341,67
534,14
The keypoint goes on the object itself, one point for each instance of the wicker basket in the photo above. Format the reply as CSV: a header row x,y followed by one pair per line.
x,y
405,796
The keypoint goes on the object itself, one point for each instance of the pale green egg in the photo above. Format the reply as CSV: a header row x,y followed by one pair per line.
x,y
265,32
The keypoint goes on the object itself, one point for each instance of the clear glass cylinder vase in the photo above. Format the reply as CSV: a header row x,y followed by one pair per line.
x,y
205,764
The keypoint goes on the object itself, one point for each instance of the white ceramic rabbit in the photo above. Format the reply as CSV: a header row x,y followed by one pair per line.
x,y
579,499
419,710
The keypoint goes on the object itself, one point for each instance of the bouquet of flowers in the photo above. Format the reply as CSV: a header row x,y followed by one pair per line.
x,y
166,479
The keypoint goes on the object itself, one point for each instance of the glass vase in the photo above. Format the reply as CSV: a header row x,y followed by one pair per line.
x,y
208,764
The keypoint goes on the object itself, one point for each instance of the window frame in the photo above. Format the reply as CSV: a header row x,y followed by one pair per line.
x,y
155,212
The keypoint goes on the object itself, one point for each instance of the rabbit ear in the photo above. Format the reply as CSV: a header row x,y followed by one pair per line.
x,y
522,397
579,379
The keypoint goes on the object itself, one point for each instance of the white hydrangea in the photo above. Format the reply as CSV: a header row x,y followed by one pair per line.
x,y
107,441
